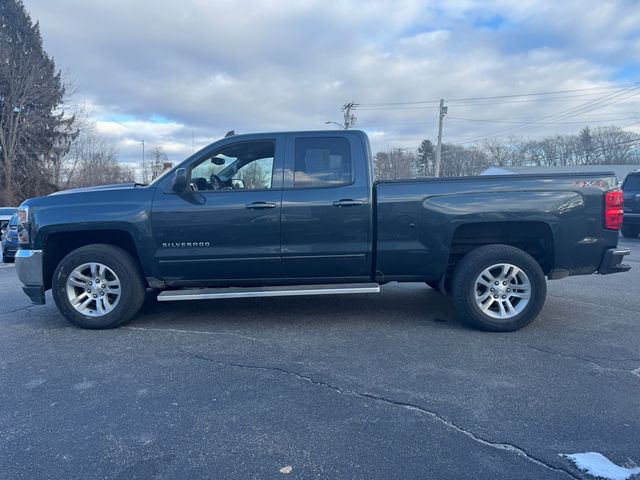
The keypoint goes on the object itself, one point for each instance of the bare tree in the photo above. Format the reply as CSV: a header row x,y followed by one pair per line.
x,y
156,158
93,161
394,164
458,160
614,146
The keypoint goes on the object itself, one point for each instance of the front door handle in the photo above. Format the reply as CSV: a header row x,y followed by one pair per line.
x,y
347,202
260,205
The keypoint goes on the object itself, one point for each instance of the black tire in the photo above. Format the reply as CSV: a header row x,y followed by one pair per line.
x,y
471,267
7,259
132,286
630,232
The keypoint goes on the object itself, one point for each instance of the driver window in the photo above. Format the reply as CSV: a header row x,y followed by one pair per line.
x,y
241,166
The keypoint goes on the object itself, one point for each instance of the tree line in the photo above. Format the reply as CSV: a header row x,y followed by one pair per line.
x,y
610,145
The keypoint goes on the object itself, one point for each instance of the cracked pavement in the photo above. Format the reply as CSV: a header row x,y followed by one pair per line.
x,y
352,386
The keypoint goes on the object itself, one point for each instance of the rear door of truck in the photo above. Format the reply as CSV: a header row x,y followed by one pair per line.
x,y
326,208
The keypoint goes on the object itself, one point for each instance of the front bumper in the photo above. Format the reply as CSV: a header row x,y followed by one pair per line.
x,y
612,261
29,269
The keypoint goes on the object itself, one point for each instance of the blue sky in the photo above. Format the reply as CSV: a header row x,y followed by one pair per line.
x,y
162,71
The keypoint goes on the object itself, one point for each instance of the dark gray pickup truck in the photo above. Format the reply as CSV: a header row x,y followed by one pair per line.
x,y
298,213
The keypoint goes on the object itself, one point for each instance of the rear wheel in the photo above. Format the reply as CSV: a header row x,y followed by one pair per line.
x,y
98,286
630,232
498,288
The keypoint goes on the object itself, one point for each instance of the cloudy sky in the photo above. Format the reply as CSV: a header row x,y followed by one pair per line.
x,y
163,71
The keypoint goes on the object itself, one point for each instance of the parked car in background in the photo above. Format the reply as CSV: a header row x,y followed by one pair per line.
x,y
10,240
631,189
5,216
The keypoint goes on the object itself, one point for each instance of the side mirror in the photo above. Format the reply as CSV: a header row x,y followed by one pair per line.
x,y
237,184
179,182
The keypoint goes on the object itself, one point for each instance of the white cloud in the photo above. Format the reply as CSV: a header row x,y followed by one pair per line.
x,y
173,69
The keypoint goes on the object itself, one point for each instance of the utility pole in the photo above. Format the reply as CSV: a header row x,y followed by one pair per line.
x,y
442,113
349,118
144,174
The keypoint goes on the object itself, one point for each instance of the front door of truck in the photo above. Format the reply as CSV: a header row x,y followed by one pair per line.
x,y
227,224
326,211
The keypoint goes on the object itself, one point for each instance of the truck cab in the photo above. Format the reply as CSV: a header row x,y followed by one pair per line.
x,y
267,208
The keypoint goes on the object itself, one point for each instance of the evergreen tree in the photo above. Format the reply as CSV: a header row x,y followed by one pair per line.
x,y
586,145
425,161
33,129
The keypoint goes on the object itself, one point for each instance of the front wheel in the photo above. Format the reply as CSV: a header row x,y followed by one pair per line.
x,y
498,288
98,286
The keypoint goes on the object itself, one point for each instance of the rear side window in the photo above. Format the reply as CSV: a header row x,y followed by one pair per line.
x,y
322,162
632,183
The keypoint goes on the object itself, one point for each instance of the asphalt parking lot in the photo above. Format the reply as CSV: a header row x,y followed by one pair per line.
x,y
353,386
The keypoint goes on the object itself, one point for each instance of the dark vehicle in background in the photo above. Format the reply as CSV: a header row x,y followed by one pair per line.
x,y
5,215
298,213
631,189
10,239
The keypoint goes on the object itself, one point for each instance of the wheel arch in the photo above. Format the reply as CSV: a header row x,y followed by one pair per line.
x,y
58,244
533,237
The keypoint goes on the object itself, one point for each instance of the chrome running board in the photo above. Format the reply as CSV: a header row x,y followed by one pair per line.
x,y
249,292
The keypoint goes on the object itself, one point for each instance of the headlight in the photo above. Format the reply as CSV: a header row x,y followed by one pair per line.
x,y
23,225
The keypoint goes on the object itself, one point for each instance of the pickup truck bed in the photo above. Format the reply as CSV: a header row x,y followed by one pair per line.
x,y
291,213
422,223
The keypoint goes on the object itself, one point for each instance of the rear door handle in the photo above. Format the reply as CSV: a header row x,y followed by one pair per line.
x,y
347,202
260,205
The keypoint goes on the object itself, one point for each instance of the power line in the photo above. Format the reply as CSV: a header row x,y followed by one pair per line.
x,y
515,120
546,123
568,113
494,97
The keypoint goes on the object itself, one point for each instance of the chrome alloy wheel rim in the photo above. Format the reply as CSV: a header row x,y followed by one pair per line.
x,y
502,291
93,289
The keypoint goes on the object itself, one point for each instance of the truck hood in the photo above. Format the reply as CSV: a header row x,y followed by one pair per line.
x,y
115,186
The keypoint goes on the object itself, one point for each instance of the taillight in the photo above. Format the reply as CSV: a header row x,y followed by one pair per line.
x,y
613,209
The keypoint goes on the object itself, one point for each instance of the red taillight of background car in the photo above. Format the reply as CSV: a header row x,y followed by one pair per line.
x,y
613,209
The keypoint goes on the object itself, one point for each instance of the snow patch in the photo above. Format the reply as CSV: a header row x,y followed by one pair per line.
x,y
598,465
